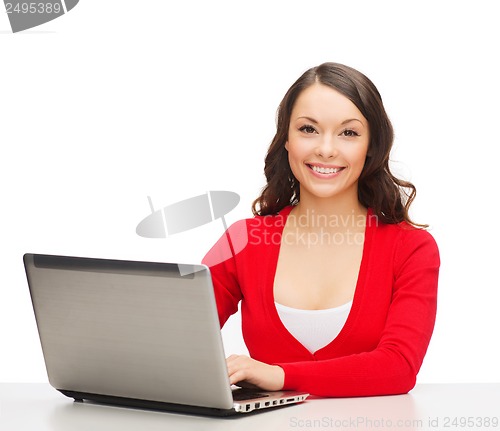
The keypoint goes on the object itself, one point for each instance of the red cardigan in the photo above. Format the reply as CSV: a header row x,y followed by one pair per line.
x,y
381,347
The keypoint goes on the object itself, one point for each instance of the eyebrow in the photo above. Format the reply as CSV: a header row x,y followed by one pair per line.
x,y
312,120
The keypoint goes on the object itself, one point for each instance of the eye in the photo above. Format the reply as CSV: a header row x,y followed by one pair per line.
x,y
349,133
307,129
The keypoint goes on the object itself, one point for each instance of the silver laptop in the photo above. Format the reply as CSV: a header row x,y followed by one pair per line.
x,y
138,334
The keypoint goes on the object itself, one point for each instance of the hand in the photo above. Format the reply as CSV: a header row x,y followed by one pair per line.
x,y
245,371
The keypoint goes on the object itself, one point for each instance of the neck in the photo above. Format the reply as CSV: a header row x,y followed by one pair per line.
x,y
348,212
329,206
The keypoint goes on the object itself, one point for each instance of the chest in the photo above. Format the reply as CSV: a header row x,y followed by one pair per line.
x,y
317,276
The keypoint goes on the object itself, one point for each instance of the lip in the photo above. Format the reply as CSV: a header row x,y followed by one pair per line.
x,y
322,165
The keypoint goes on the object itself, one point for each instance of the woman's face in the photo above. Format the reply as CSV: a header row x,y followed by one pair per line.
x,y
328,140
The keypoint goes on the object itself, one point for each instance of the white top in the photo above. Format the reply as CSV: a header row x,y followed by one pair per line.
x,y
314,328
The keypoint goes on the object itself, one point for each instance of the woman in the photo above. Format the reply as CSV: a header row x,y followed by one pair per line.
x,y
337,285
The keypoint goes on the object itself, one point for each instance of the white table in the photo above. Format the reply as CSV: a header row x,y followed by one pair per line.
x,y
37,406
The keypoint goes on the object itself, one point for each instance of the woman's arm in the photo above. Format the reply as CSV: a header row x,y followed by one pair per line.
x,y
222,263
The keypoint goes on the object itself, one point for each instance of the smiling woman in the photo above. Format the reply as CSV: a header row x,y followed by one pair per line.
x,y
325,144
334,309
379,189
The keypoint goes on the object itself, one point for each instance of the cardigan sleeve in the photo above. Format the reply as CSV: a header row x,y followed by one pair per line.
x,y
221,260
392,367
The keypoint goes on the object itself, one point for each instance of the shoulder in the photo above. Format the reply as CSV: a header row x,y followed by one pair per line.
x,y
411,244
240,232
247,233
405,232
245,226
269,222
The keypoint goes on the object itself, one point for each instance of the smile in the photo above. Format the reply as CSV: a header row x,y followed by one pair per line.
x,y
325,171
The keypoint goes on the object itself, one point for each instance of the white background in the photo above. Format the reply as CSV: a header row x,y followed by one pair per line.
x,y
119,100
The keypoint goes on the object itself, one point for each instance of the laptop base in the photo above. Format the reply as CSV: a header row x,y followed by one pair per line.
x,y
149,405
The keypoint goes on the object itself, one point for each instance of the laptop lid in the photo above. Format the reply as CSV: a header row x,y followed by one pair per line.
x,y
129,330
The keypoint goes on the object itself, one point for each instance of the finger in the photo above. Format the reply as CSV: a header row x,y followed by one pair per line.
x,y
238,376
237,369
232,362
231,359
231,369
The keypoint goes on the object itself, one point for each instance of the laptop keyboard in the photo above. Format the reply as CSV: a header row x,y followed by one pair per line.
x,y
242,394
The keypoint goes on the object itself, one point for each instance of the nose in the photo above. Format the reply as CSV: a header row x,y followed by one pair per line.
x,y
327,148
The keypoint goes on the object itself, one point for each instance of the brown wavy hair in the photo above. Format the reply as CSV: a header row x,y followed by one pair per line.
x,y
388,196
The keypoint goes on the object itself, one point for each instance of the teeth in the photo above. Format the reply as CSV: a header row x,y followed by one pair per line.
x,y
325,170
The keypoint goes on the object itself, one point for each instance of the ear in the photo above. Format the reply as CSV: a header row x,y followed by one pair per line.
x,y
286,145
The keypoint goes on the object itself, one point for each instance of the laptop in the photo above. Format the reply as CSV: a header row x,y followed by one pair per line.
x,y
138,334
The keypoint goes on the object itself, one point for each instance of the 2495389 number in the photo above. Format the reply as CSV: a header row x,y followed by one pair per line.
x,y
33,8
470,422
